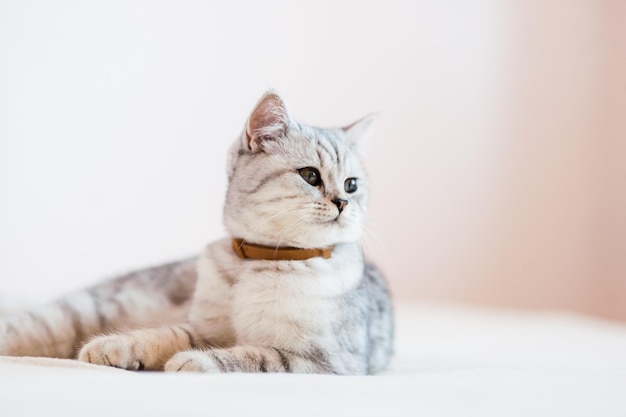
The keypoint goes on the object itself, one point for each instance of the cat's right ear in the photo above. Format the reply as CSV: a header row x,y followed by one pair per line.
x,y
267,123
359,132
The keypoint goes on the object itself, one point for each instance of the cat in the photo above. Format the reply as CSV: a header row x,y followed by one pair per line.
x,y
289,291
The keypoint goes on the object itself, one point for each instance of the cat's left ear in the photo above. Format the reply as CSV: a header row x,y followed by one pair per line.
x,y
359,132
268,122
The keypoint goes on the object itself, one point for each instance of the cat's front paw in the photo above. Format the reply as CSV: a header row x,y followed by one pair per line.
x,y
120,351
192,361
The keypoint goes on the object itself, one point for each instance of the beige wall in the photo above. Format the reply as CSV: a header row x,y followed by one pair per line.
x,y
498,166
549,230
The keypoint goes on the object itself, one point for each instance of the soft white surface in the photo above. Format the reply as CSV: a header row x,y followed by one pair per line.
x,y
449,362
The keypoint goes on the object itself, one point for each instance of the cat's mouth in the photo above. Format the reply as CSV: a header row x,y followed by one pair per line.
x,y
334,221
329,219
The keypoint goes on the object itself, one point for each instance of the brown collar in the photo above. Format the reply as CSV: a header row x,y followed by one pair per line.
x,y
252,251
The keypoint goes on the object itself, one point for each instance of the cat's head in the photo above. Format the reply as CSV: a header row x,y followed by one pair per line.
x,y
290,184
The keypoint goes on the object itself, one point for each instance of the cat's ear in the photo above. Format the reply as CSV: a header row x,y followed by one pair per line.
x,y
359,132
267,123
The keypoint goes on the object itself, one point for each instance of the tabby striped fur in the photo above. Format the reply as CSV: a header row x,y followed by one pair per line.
x,y
220,313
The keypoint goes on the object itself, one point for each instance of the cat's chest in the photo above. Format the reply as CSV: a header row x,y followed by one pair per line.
x,y
289,303
277,303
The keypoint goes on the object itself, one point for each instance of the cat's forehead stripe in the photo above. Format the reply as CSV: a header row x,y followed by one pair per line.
x,y
326,149
329,143
333,143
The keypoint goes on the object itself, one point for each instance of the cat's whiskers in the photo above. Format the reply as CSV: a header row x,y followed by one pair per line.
x,y
294,225
371,241
280,213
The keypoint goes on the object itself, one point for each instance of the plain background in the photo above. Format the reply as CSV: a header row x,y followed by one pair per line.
x,y
498,163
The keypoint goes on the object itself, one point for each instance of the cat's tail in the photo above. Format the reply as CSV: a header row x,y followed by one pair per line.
x,y
154,296
9,306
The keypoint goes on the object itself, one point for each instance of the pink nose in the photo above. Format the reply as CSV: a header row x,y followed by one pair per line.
x,y
340,203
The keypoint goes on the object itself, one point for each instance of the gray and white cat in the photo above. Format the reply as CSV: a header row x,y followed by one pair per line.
x,y
289,292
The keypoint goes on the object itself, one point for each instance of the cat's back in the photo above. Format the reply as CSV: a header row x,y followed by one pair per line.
x,y
380,312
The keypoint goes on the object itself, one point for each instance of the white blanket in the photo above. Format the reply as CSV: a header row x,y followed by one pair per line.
x,y
448,362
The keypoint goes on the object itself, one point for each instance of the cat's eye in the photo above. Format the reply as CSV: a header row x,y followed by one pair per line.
x,y
350,185
311,175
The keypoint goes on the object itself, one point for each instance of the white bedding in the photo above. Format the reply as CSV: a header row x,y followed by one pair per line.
x,y
449,362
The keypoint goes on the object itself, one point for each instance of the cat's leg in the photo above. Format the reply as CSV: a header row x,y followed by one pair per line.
x,y
154,296
139,349
249,359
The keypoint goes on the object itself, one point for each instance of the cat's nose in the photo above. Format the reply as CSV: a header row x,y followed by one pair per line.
x,y
340,203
